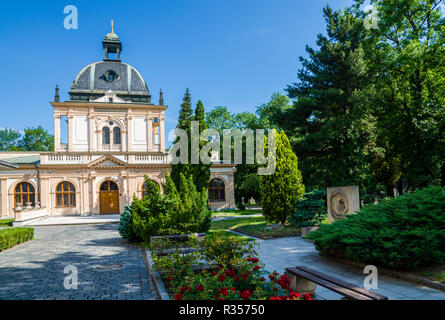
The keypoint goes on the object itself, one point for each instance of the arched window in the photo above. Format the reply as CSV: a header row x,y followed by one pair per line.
x,y
24,194
117,135
65,195
105,135
144,188
109,186
217,190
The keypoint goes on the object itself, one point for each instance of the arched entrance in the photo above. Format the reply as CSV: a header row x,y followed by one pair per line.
x,y
109,197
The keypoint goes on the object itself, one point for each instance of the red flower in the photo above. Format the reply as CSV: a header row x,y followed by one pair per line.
x,y
230,273
256,268
262,279
244,276
185,288
214,273
170,278
221,278
307,296
294,294
199,287
271,277
236,278
246,294
178,296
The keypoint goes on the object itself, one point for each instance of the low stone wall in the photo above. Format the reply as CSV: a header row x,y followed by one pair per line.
x,y
25,216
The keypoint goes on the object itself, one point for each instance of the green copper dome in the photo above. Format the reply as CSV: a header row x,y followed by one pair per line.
x,y
111,36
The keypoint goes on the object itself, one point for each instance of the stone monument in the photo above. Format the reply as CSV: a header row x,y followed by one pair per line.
x,y
342,201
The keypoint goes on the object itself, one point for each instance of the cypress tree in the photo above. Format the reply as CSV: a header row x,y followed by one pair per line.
x,y
281,191
184,123
200,172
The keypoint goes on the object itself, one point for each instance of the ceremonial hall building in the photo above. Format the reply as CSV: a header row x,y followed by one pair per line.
x,y
115,136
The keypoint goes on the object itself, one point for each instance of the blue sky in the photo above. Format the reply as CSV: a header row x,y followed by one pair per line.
x,y
229,53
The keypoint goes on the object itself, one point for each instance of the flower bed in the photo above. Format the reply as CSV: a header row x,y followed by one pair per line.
x,y
224,268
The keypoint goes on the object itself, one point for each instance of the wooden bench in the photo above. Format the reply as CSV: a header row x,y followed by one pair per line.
x,y
304,280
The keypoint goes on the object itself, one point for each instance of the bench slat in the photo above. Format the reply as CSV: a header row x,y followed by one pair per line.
x,y
343,283
330,285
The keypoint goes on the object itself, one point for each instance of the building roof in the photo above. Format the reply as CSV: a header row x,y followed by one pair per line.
x,y
99,77
35,159
94,80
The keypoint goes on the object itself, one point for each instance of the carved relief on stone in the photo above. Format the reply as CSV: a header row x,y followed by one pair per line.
x,y
342,201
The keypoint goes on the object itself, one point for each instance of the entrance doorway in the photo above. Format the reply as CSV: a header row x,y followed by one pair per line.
x,y
109,197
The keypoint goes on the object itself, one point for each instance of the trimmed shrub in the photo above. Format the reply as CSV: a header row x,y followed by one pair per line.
x,y
126,224
11,237
281,191
175,212
311,210
404,233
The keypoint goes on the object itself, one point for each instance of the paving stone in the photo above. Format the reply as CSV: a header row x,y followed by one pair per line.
x,y
279,254
35,269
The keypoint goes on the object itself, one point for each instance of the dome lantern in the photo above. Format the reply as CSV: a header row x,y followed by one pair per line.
x,y
112,44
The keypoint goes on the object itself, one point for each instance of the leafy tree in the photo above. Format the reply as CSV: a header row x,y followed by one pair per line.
x,y
37,139
281,191
9,140
33,139
409,94
249,186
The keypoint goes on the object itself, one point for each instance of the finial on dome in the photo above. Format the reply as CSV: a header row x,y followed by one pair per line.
x,y
161,98
56,95
112,25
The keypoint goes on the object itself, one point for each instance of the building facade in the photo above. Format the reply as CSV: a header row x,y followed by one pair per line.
x,y
115,136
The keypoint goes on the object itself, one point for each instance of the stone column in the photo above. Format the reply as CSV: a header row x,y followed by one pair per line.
x,y
70,133
91,133
129,133
45,193
149,133
4,198
124,140
56,132
162,133
99,139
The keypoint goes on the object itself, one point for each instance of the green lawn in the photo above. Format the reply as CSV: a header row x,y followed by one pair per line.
x,y
255,226
435,276
6,222
439,277
234,213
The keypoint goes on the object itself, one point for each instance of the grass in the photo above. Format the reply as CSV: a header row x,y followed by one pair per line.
x,y
234,213
440,277
6,222
254,226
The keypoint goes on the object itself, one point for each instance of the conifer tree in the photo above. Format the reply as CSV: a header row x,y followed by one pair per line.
x,y
281,191
184,123
201,171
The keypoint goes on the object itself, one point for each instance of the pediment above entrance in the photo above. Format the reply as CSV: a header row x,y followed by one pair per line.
x,y
106,162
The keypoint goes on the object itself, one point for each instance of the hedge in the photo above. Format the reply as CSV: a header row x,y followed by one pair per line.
x,y
403,233
11,237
